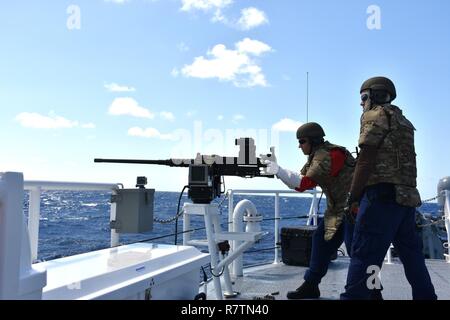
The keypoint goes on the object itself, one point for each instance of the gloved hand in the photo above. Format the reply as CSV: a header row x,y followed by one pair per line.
x,y
289,178
270,160
351,209
272,168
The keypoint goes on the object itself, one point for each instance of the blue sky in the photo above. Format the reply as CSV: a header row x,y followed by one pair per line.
x,y
155,79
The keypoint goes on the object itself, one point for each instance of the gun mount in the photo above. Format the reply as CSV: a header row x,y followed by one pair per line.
x,y
206,172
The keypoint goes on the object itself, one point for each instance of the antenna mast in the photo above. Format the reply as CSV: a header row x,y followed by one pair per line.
x,y
307,95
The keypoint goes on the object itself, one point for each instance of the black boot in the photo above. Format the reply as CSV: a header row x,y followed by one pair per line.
x,y
306,291
376,295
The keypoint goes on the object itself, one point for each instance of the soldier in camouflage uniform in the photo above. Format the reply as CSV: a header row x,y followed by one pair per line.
x,y
384,188
331,167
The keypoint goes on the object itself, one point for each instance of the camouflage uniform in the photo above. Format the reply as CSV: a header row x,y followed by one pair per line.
x,y
385,127
386,211
318,168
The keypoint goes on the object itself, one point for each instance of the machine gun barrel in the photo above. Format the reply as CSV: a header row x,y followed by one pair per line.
x,y
169,162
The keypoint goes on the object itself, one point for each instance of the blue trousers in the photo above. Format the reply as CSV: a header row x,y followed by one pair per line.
x,y
323,250
380,222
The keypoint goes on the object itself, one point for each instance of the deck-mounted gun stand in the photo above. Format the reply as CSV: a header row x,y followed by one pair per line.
x,y
206,173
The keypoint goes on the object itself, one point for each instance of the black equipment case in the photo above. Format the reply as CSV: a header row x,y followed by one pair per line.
x,y
296,245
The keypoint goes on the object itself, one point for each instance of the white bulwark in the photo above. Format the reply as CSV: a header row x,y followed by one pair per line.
x,y
136,271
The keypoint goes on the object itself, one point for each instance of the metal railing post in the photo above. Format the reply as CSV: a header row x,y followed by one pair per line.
x,y
277,226
389,255
112,217
186,227
233,265
34,213
312,215
447,222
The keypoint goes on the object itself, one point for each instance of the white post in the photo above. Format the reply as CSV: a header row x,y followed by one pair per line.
x,y
315,208
213,251
238,226
389,255
312,216
277,224
18,278
34,213
186,227
230,210
447,222
233,243
112,217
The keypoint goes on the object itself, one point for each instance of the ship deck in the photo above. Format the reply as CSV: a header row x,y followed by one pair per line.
x,y
277,279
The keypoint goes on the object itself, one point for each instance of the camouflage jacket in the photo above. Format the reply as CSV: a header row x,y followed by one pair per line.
x,y
385,127
318,168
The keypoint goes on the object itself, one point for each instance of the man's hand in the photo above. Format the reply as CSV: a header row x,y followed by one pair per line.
x,y
351,209
271,168
270,160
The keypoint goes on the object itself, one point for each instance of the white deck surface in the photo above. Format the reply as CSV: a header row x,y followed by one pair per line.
x,y
280,278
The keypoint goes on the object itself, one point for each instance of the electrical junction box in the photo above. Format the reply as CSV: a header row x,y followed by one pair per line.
x,y
134,210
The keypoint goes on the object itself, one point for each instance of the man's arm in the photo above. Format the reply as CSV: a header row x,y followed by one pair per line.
x,y
363,170
306,184
337,157
291,179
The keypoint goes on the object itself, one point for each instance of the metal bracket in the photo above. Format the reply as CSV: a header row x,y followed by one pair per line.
x,y
116,198
113,224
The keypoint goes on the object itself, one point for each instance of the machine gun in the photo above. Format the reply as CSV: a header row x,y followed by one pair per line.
x,y
207,171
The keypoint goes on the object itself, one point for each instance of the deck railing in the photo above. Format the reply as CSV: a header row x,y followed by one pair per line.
x,y
447,223
237,265
34,209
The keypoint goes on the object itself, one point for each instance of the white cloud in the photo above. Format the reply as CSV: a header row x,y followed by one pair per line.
x,y
167,115
204,5
129,106
174,72
254,47
182,47
286,125
88,125
237,66
191,113
38,121
114,87
52,121
252,18
149,133
237,118
117,1
220,117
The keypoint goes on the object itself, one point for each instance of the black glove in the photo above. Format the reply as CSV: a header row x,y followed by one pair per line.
x,y
351,209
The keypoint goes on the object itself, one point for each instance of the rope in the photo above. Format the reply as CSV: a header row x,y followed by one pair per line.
x,y
429,200
263,249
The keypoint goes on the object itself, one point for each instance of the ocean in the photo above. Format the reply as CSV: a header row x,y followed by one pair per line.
x,y
74,222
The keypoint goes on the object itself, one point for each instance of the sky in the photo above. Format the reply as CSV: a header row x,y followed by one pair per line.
x,y
156,79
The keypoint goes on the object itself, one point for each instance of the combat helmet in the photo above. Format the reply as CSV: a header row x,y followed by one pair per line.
x,y
380,84
310,130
